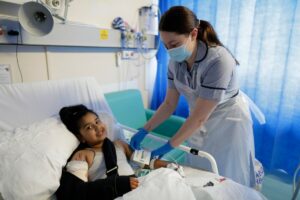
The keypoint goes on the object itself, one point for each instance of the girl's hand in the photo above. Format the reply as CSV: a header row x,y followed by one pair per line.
x,y
134,183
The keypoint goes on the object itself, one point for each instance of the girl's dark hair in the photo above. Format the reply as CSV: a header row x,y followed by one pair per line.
x,y
71,116
181,20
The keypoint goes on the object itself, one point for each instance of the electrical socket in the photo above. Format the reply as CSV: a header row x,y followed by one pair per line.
x,y
128,55
54,4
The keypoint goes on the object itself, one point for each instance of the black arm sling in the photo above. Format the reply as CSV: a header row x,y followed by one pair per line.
x,y
73,188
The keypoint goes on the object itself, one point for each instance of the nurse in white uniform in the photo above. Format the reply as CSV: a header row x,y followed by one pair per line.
x,y
204,71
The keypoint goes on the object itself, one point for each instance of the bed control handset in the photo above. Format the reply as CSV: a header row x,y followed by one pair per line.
x,y
142,157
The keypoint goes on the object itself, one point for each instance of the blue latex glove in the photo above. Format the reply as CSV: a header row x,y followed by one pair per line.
x,y
162,150
136,140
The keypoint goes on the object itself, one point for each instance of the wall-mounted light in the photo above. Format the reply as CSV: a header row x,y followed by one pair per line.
x,y
37,17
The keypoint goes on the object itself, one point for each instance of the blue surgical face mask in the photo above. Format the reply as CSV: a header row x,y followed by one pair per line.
x,y
180,53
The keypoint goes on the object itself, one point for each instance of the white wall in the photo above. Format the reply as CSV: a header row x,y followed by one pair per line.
x,y
41,63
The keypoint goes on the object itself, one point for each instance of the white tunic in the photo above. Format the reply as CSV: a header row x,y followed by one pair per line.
x,y
227,134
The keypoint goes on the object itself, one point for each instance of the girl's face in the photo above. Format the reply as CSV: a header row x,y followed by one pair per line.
x,y
92,130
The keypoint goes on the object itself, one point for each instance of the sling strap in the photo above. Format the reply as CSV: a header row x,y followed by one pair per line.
x,y
110,157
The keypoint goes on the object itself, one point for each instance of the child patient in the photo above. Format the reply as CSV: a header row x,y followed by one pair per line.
x,y
97,156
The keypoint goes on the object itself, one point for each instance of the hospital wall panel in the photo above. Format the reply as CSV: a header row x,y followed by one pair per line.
x,y
52,62
31,59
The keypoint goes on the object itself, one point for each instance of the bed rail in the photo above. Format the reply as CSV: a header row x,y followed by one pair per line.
x,y
184,148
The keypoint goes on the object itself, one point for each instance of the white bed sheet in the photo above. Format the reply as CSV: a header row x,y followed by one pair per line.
x,y
224,190
161,184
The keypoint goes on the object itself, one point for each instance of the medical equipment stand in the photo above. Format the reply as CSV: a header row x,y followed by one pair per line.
x,y
296,189
183,148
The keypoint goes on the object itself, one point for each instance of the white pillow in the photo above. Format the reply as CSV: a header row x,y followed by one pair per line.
x,y
32,159
25,103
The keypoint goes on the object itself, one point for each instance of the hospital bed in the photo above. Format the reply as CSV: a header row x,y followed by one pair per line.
x,y
35,145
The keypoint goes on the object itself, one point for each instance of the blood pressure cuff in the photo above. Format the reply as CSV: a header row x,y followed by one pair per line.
x,y
73,188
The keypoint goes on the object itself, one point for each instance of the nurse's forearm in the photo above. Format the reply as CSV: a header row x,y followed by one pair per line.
x,y
163,113
198,117
186,130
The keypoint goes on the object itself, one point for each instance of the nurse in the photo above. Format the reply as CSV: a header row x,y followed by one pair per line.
x,y
204,71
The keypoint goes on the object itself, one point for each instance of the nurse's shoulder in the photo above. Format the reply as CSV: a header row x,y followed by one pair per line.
x,y
219,53
218,61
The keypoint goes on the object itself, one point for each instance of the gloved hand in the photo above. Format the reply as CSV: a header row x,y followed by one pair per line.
x,y
162,150
136,140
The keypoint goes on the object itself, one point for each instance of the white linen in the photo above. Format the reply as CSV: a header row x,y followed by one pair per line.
x,y
221,190
32,158
162,183
165,185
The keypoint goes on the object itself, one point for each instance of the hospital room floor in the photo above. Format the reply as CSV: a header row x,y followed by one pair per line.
x,y
277,187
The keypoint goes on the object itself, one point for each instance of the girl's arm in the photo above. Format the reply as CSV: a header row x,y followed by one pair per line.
x,y
84,155
128,152
159,163
126,148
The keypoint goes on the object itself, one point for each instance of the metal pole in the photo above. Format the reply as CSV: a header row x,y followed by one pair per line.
x,y
296,191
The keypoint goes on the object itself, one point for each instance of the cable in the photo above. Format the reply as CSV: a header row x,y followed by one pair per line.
x,y
47,62
295,177
119,68
17,57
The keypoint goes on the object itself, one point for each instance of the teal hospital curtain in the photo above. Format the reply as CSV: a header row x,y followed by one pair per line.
x,y
264,36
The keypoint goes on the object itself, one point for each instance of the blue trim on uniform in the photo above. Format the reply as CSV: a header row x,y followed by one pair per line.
x,y
197,61
216,88
235,94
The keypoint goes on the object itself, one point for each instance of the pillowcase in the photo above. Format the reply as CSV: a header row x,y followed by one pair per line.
x,y
32,158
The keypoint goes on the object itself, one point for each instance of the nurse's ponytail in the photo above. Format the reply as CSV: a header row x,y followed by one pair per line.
x,y
208,35
181,20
